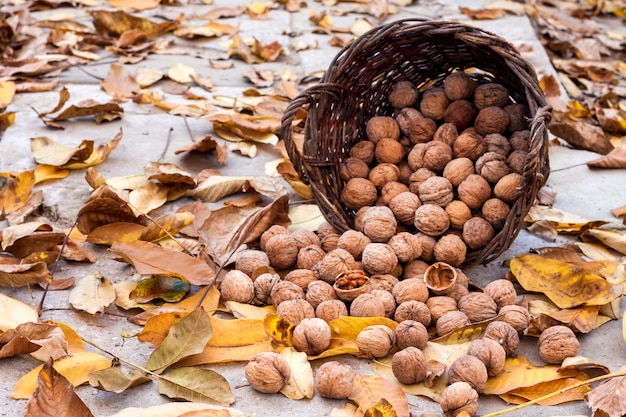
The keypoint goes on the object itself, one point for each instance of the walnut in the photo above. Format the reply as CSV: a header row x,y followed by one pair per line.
x,y
504,334
285,290
354,242
267,372
474,191
334,380
403,207
367,305
436,190
383,282
477,233
379,223
434,103
491,94
490,352
415,157
457,170
457,292
411,333
440,305
428,246
431,219
458,398
379,258
517,316
383,173
388,300
406,117
351,284
410,289
450,322
301,277
517,161
418,177
237,286
334,263
403,94
409,365
318,292
415,126
249,260
491,120
353,168
450,249
405,172
459,213
324,229
461,113
304,237
310,255
470,145
388,151
520,140
492,166
330,310
294,311
406,246
263,285
497,143
458,85
329,242
502,291
358,192
364,150
446,133
469,369
436,156
495,211
271,232
557,343
508,188
440,276
375,341
416,268
413,310
311,336
282,251
391,190
478,306
382,127
517,115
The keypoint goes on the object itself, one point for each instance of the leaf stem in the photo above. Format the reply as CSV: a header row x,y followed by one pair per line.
x,y
621,372
127,362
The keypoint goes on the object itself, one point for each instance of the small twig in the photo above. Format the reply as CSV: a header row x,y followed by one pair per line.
x,y
189,129
569,167
558,392
54,268
118,358
167,144
80,68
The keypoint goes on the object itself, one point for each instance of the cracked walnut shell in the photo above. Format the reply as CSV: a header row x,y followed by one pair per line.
x,y
267,372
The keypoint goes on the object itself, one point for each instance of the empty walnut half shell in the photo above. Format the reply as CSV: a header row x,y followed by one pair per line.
x,y
350,284
440,277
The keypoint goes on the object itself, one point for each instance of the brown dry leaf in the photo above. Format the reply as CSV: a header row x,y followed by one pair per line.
x,y
50,337
146,76
483,14
196,384
49,152
32,204
180,409
619,211
151,259
368,391
206,144
135,4
113,380
148,197
561,221
244,148
92,293
568,286
208,30
15,190
239,49
30,337
6,120
181,73
258,10
217,187
260,78
100,111
166,226
24,274
117,22
206,83
552,91
120,84
99,154
105,206
53,394
607,398
110,233
615,159
168,174
580,133
267,52
74,342
200,212
524,394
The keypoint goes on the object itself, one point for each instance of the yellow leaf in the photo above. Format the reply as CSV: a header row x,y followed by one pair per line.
x,y
135,4
279,329
129,182
248,311
148,197
522,395
348,328
16,191
347,410
305,216
7,92
99,154
520,372
562,221
615,239
14,312
567,285
300,384
49,152
74,342
166,226
110,233
49,172
179,409
368,391
75,368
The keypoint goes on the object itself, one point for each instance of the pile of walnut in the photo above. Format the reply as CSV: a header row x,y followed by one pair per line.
x,y
427,186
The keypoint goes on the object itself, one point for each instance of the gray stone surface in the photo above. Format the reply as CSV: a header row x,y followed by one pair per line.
x,y
150,134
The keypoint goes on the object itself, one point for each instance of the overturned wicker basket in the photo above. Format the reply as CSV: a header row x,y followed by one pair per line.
x,y
356,86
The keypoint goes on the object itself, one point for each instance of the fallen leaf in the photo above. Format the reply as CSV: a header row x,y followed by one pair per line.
x,y
24,274
300,383
92,293
565,284
185,338
217,187
109,234
614,239
75,368
7,92
561,221
177,410
14,312
119,83
117,22
114,380
54,395
181,73
615,159
166,226
148,197
49,173
15,190
135,4
482,14
607,398
74,342
99,154
148,259
248,311
197,385
306,217
16,341
169,289
368,391
579,133
146,76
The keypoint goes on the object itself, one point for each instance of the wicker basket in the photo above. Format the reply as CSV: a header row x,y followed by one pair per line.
x,y
356,86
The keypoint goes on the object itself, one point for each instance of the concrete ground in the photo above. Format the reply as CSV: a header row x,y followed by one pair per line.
x,y
150,133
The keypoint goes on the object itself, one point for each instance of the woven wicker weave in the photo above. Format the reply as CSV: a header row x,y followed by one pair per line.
x,y
357,83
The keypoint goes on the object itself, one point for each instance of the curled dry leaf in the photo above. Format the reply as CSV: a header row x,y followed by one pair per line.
x,y
615,159
92,293
608,397
580,133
